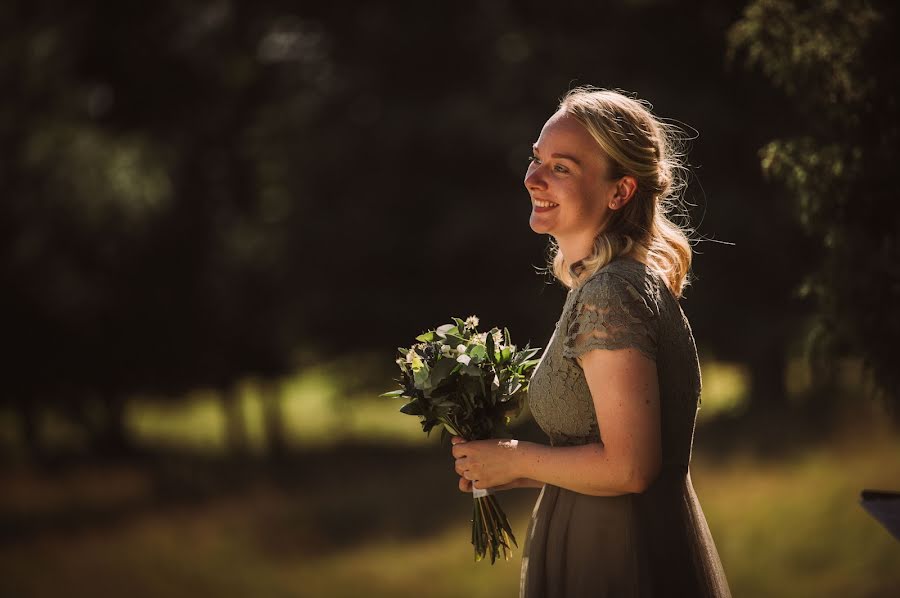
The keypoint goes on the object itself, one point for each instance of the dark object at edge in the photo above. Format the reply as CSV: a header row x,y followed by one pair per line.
x,y
885,507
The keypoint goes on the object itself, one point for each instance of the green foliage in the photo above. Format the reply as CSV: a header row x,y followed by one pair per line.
x,y
818,176
468,383
834,61
464,381
811,50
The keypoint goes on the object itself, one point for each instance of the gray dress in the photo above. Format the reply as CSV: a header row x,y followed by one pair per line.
x,y
654,543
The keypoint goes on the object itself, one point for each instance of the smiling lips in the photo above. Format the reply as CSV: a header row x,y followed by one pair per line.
x,y
543,206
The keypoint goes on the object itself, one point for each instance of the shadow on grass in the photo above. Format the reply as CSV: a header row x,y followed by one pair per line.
x,y
776,434
321,500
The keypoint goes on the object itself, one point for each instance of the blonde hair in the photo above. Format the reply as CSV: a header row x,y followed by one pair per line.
x,y
638,144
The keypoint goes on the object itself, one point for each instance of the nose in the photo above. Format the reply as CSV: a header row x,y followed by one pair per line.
x,y
534,178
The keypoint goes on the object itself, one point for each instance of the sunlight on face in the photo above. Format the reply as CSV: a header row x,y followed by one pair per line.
x,y
568,181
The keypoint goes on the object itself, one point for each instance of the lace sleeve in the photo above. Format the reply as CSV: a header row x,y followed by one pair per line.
x,y
610,313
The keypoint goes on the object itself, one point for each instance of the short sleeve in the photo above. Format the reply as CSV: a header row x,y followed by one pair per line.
x,y
610,313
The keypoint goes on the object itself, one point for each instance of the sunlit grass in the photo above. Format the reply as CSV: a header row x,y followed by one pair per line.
x,y
725,388
784,528
316,411
787,527
196,422
794,527
323,404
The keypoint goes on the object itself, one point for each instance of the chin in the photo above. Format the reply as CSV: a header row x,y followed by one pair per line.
x,y
538,227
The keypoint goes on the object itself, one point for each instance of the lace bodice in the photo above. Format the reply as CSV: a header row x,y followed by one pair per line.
x,y
623,304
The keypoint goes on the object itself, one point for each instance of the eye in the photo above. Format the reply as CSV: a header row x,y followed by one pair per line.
x,y
561,169
534,160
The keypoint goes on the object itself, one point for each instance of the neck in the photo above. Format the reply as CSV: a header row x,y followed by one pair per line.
x,y
575,248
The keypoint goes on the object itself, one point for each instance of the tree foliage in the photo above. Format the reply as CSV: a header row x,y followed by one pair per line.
x,y
835,62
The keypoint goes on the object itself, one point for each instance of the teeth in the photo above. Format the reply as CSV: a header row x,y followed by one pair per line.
x,y
543,204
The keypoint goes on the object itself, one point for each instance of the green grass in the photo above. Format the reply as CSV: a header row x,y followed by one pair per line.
x,y
786,527
321,406
384,518
793,527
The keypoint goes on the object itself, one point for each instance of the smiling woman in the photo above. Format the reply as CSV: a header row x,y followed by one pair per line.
x,y
618,386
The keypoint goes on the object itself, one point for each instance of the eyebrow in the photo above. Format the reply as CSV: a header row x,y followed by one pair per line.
x,y
560,156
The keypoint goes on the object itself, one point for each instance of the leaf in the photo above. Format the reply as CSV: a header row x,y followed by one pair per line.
x,y
471,370
421,375
489,345
528,353
444,329
441,371
454,339
478,352
426,337
393,393
412,408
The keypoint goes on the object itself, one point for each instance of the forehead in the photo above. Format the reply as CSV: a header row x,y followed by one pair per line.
x,y
564,133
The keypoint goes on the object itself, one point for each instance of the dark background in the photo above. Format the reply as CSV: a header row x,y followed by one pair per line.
x,y
193,194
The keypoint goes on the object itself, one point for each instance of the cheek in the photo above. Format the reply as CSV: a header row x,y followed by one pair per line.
x,y
585,200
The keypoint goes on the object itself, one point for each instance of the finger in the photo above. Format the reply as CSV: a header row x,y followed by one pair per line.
x,y
458,451
457,440
465,485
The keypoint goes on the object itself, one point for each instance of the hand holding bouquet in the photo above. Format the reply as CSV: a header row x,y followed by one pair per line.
x,y
471,384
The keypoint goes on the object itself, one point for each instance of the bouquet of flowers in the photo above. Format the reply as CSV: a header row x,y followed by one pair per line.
x,y
470,384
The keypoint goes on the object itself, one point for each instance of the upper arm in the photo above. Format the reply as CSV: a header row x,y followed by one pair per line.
x,y
613,336
625,392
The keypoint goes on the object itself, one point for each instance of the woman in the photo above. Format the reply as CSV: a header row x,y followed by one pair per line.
x,y
618,386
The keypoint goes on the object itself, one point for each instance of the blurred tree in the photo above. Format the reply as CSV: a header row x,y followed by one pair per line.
x,y
835,61
198,192
141,255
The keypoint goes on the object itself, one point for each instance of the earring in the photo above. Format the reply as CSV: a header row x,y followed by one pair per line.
x,y
614,205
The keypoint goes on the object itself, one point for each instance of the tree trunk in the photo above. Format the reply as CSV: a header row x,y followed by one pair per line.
x,y
113,438
235,424
273,419
768,390
29,420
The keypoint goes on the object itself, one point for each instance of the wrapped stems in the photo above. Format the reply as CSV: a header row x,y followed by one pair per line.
x,y
491,532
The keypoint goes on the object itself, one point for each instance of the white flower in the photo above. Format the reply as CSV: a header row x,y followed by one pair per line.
x,y
472,322
498,337
481,338
465,359
445,350
409,355
460,348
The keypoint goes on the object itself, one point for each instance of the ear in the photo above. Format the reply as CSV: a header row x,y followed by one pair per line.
x,y
625,190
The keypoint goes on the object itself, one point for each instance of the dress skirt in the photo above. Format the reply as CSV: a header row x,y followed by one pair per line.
x,y
656,543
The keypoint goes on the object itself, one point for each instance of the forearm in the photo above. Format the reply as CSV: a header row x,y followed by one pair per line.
x,y
587,469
